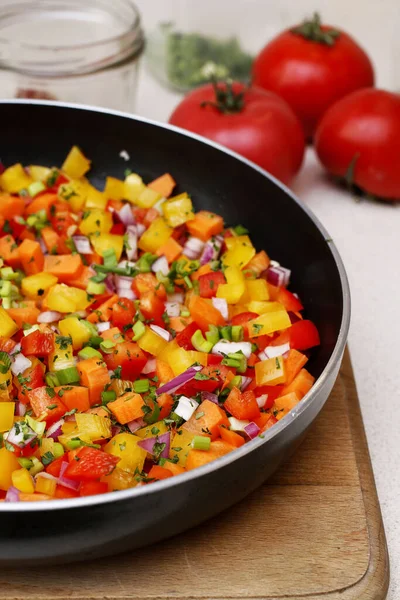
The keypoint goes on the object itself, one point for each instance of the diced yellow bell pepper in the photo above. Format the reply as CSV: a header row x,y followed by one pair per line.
x,y
155,236
8,464
180,359
237,309
73,435
151,342
76,329
235,288
119,480
181,445
257,289
146,432
33,284
147,198
39,173
125,446
46,445
62,356
268,323
6,415
178,210
263,307
69,427
14,179
67,299
44,485
95,199
22,481
7,325
240,251
76,164
96,220
93,426
270,371
74,192
133,187
114,189
108,240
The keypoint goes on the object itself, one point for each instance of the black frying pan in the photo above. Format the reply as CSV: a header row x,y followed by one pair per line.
x,y
68,530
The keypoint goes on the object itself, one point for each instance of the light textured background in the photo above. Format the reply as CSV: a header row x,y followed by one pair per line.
x,y
367,234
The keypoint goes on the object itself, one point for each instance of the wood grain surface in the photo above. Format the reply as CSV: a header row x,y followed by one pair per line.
x,y
312,531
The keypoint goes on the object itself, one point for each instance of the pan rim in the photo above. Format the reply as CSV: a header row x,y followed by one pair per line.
x,y
173,482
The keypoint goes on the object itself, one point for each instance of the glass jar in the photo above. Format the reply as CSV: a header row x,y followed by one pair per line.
x,y
83,51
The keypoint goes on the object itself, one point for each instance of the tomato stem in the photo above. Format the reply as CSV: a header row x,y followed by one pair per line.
x,y
312,30
226,99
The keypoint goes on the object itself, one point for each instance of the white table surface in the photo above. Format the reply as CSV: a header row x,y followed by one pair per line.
x,y
367,235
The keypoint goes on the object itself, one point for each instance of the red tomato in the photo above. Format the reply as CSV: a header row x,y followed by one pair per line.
x,y
363,131
311,67
208,283
257,124
123,313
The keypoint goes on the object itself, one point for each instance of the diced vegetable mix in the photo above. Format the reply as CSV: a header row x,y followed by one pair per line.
x,y
138,339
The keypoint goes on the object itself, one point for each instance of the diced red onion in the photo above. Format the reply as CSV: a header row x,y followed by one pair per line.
x,y
221,305
116,429
55,430
124,293
43,246
66,481
82,244
150,366
262,400
278,276
70,418
161,332
19,364
125,215
148,444
252,430
161,264
123,281
109,283
172,309
175,298
46,476
132,232
103,326
140,229
193,248
171,386
209,396
23,438
135,425
49,316
20,409
224,347
211,250
245,383
272,351
12,494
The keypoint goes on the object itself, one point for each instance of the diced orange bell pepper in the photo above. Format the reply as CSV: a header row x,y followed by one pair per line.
x,y
31,256
9,251
198,458
205,224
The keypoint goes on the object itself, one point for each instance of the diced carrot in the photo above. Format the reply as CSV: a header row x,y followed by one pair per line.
x,y
127,407
83,278
31,256
204,269
27,235
103,312
163,185
113,334
207,419
94,375
204,313
28,314
163,371
259,263
294,362
157,472
42,202
98,410
301,384
285,403
198,458
231,437
51,239
179,323
11,206
205,224
9,251
64,266
228,376
165,402
174,468
33,497
171,250
262,420
74,397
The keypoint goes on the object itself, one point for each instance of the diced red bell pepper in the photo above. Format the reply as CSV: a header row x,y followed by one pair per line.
x,y
46,404
91,488
213,381
242,405
183,338
32,380
90,464
289,300
152,307
148,282
273,392
242,319
62,221
208,283
59,181
123,313
54,467
130,357
38,343
214,359
64,492
303,335
118,229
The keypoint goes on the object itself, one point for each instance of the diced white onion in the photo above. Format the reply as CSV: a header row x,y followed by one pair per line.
x,y
150,366
262,400
186,407
221,305
272,351
193,248
82,244
103,326
31,330
175,298
49,316
224,347
237,424
126,293
132,233
161,264
161,332
19,364
173,309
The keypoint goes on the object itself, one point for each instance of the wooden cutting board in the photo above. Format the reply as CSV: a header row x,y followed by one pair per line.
x,y
313,531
